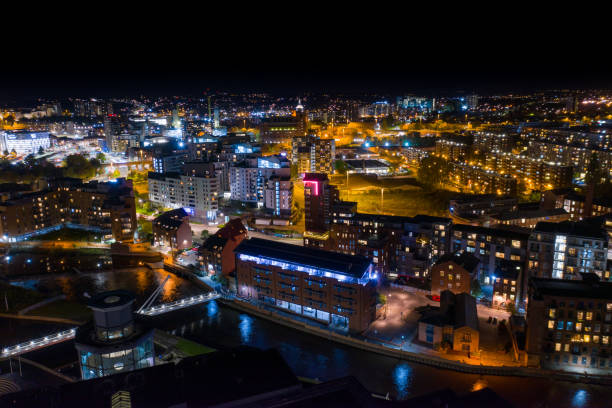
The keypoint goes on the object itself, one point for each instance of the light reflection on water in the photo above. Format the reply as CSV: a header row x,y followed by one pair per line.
x,y
246,328
402,379
580,399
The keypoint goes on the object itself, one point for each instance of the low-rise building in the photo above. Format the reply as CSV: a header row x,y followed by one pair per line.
x,y
529,218
481,205
508,283
454,272
334,289
455,322
568,324
217,255
171,230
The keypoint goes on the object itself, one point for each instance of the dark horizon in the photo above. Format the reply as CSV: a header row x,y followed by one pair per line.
x,y
20,86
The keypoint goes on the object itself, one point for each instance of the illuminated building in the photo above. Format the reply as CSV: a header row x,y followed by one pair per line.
x,y
367,166
568,324
331,288
283,129
24,142
471,101
508,284
397,246
113,342
477,206
451,150
171,229
492,141
529,218
454,272
169,158
199,196
248,178
491,246
319,199
112,130
480,180
312,154
455,322
216,255
537,174
107,208
568,249
278,194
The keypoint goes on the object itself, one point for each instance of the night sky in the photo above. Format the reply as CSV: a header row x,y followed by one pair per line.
x,y
516,52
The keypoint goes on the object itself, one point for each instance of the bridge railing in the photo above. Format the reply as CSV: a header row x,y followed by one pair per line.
x,y
179,304
21,348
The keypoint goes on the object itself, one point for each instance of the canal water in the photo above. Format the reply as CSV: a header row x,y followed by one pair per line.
x,y
309,356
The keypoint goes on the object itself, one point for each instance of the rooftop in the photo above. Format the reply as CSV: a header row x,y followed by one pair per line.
x,y
354,266
571,288
581,229
464,259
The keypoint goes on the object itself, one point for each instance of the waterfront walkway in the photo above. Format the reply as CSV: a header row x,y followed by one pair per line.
x,y
464,365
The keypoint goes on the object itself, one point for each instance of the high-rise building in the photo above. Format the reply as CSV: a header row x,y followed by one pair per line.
x,y
319,199
112,130
248,178
199,196
312,154
279,196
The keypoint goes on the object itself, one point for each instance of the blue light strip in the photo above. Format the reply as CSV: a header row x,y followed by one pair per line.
x,y
290,266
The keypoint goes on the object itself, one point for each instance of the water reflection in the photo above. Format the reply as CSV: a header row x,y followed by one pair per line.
x,y
479,385
402,379
212,311
580,399
246,328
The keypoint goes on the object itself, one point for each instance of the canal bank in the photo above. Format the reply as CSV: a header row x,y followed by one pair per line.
x,y
395,351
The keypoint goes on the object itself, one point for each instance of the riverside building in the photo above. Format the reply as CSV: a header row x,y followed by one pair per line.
x,y
333,289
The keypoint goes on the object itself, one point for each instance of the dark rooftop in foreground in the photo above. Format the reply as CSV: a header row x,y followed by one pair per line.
x,y
586,288
351,265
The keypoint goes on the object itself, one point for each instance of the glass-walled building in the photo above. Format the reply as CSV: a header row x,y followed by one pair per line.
x,y
114,342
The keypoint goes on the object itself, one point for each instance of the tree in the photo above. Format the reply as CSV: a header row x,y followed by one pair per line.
x,y
297,213
204,235
381,299
476,289
78,166
101,157
41,151
432,171
595,173
340,166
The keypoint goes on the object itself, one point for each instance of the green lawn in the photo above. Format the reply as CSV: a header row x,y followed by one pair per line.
x,y
192,348
64,309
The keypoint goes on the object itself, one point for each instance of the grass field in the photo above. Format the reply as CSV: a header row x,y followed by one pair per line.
x,y
192,348
64,309
406,203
